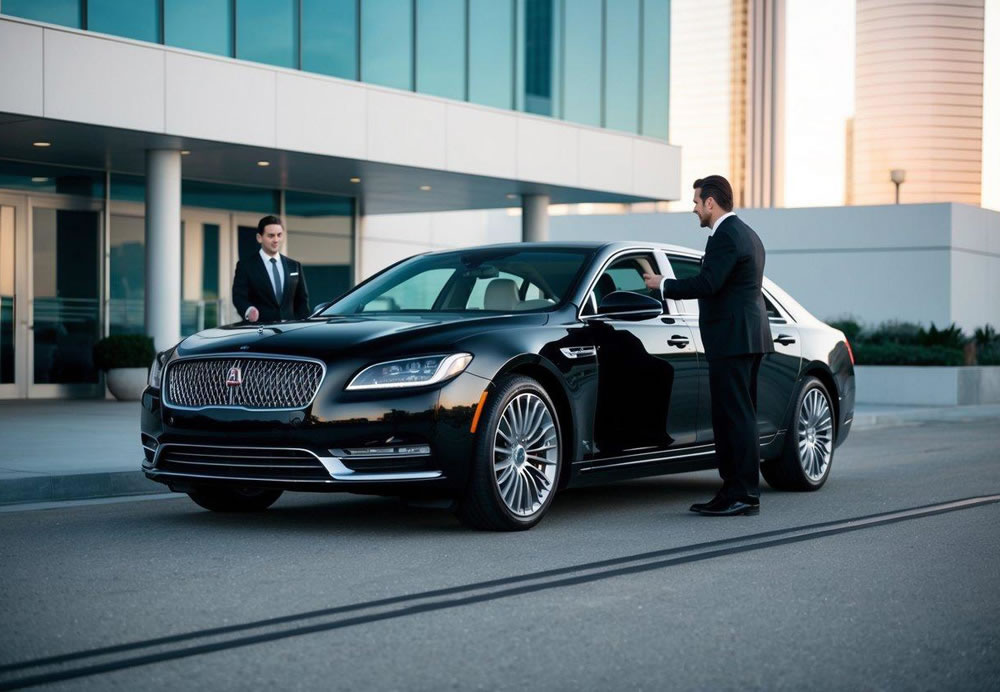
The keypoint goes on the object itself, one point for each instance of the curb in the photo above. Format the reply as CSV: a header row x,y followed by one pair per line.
x,y
952,414
77,486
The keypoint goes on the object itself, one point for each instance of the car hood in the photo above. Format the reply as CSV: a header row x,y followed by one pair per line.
x,y
342,335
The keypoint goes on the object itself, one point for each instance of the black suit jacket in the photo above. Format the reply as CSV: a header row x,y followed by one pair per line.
x,y
252,286
733,317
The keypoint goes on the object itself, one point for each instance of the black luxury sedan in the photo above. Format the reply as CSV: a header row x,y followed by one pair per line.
x,y
490,377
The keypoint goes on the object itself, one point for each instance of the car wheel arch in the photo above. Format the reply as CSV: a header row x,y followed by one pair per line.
x,y
545,374
822,373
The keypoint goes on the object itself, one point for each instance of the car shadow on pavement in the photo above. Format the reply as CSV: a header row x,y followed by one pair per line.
x,y
382,516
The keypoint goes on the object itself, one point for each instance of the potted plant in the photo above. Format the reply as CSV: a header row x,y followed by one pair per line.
x,y
126,359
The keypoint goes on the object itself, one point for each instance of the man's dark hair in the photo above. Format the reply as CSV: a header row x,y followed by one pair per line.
x,y
267,221
718,188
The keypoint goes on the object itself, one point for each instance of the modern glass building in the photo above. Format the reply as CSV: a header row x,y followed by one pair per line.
x,y
141,140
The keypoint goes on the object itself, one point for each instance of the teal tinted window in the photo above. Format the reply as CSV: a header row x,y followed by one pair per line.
x,y
387,42
195,193
202,25
441,48
311,204
138,19
621,81
491,52
539,65
64,12
267,31
330,37
582,61
655,67
46,178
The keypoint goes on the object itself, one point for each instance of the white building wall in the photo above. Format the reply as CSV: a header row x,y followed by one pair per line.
x,y
922,263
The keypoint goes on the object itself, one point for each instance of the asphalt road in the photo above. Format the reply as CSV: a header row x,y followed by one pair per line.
x,y
619,587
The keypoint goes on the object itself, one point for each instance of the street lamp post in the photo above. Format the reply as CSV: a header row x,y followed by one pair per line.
x,y
898,176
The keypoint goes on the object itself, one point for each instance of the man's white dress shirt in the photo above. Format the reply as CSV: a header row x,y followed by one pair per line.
x,y
266,259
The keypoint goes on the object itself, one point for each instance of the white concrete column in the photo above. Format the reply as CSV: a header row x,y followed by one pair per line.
x,y
534,218
163,247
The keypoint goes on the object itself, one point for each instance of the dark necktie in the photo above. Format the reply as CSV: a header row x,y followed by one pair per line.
x,y
277,280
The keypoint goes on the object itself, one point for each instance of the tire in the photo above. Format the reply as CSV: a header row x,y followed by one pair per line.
x,y
807,455
511,489
235,499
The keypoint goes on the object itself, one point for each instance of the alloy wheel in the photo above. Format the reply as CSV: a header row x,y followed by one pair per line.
x,y
525,454
815,434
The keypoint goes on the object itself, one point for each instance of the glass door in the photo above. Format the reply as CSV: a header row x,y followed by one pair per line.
x,y
65,297
207,274
13,298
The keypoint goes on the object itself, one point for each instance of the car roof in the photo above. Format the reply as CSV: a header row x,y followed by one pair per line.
x,y
613,246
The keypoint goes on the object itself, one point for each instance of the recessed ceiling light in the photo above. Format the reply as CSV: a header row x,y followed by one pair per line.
x,y
425,188
184,152
39,179
355,180
263,164
511,195
42,144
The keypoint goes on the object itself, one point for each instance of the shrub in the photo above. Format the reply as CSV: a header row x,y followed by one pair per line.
x,y
893,332
849,326
950,337
124,351
905,354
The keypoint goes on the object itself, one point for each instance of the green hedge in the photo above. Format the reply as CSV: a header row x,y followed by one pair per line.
x,y
905,354
124,351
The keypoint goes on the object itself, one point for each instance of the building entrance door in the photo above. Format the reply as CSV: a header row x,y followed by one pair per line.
x,y
13,298
207,274
64,297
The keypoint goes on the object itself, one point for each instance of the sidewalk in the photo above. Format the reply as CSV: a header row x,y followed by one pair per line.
x,y
75,450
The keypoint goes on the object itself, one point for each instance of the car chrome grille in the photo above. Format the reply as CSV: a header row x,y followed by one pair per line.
x,y
248,463
265,383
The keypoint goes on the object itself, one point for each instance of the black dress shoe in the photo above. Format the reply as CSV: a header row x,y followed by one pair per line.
x,y
726,507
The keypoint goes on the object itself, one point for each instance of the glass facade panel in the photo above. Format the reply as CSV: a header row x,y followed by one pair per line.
x,y
491,52
58,179
66,308
200,305
441,48
202,25
582,61
64,12
267,31
320,231
138,19
127,274
655,68
8,268
330,37
621,71
540,72
387,43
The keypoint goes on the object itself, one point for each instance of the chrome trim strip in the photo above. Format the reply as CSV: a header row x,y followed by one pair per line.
x,y
165,390
149,449
261,479
574,352
340,454
248,466
646,461
333,465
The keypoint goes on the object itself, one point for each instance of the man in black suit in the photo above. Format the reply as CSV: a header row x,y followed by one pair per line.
x,y
736,334
270,287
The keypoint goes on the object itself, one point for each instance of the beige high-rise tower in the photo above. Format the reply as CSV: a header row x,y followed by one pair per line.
x,y
918,101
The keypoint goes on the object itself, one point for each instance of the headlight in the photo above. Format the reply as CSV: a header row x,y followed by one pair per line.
x,y
411,372
156,370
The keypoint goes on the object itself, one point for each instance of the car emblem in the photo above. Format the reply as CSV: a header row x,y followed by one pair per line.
x,y
234,378
260,331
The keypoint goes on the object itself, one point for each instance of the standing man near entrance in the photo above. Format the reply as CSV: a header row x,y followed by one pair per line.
x,y
270,287
736,335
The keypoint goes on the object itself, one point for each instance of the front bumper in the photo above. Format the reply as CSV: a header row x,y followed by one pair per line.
x,y
305,449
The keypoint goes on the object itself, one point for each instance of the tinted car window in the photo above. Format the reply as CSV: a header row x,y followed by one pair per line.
x,y
525,279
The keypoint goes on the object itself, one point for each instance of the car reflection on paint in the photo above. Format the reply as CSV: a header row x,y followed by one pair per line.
x,y
491,376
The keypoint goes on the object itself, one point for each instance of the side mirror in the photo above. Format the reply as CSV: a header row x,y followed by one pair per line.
x,y
320,308
625,305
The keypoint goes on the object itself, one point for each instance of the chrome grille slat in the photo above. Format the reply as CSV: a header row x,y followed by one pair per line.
x,y
268,383
244,462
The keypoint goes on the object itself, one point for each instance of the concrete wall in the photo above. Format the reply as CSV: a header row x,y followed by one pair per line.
x,y
923,263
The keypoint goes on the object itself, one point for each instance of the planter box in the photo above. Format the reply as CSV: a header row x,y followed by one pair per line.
x,y
927,385
127,383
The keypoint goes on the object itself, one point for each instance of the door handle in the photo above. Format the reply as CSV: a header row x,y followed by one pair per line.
x,y
678,341
784,339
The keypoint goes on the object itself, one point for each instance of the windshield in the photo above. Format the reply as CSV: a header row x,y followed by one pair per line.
x,y
470,281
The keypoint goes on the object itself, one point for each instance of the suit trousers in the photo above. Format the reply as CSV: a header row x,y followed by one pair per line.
x,y
732,384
